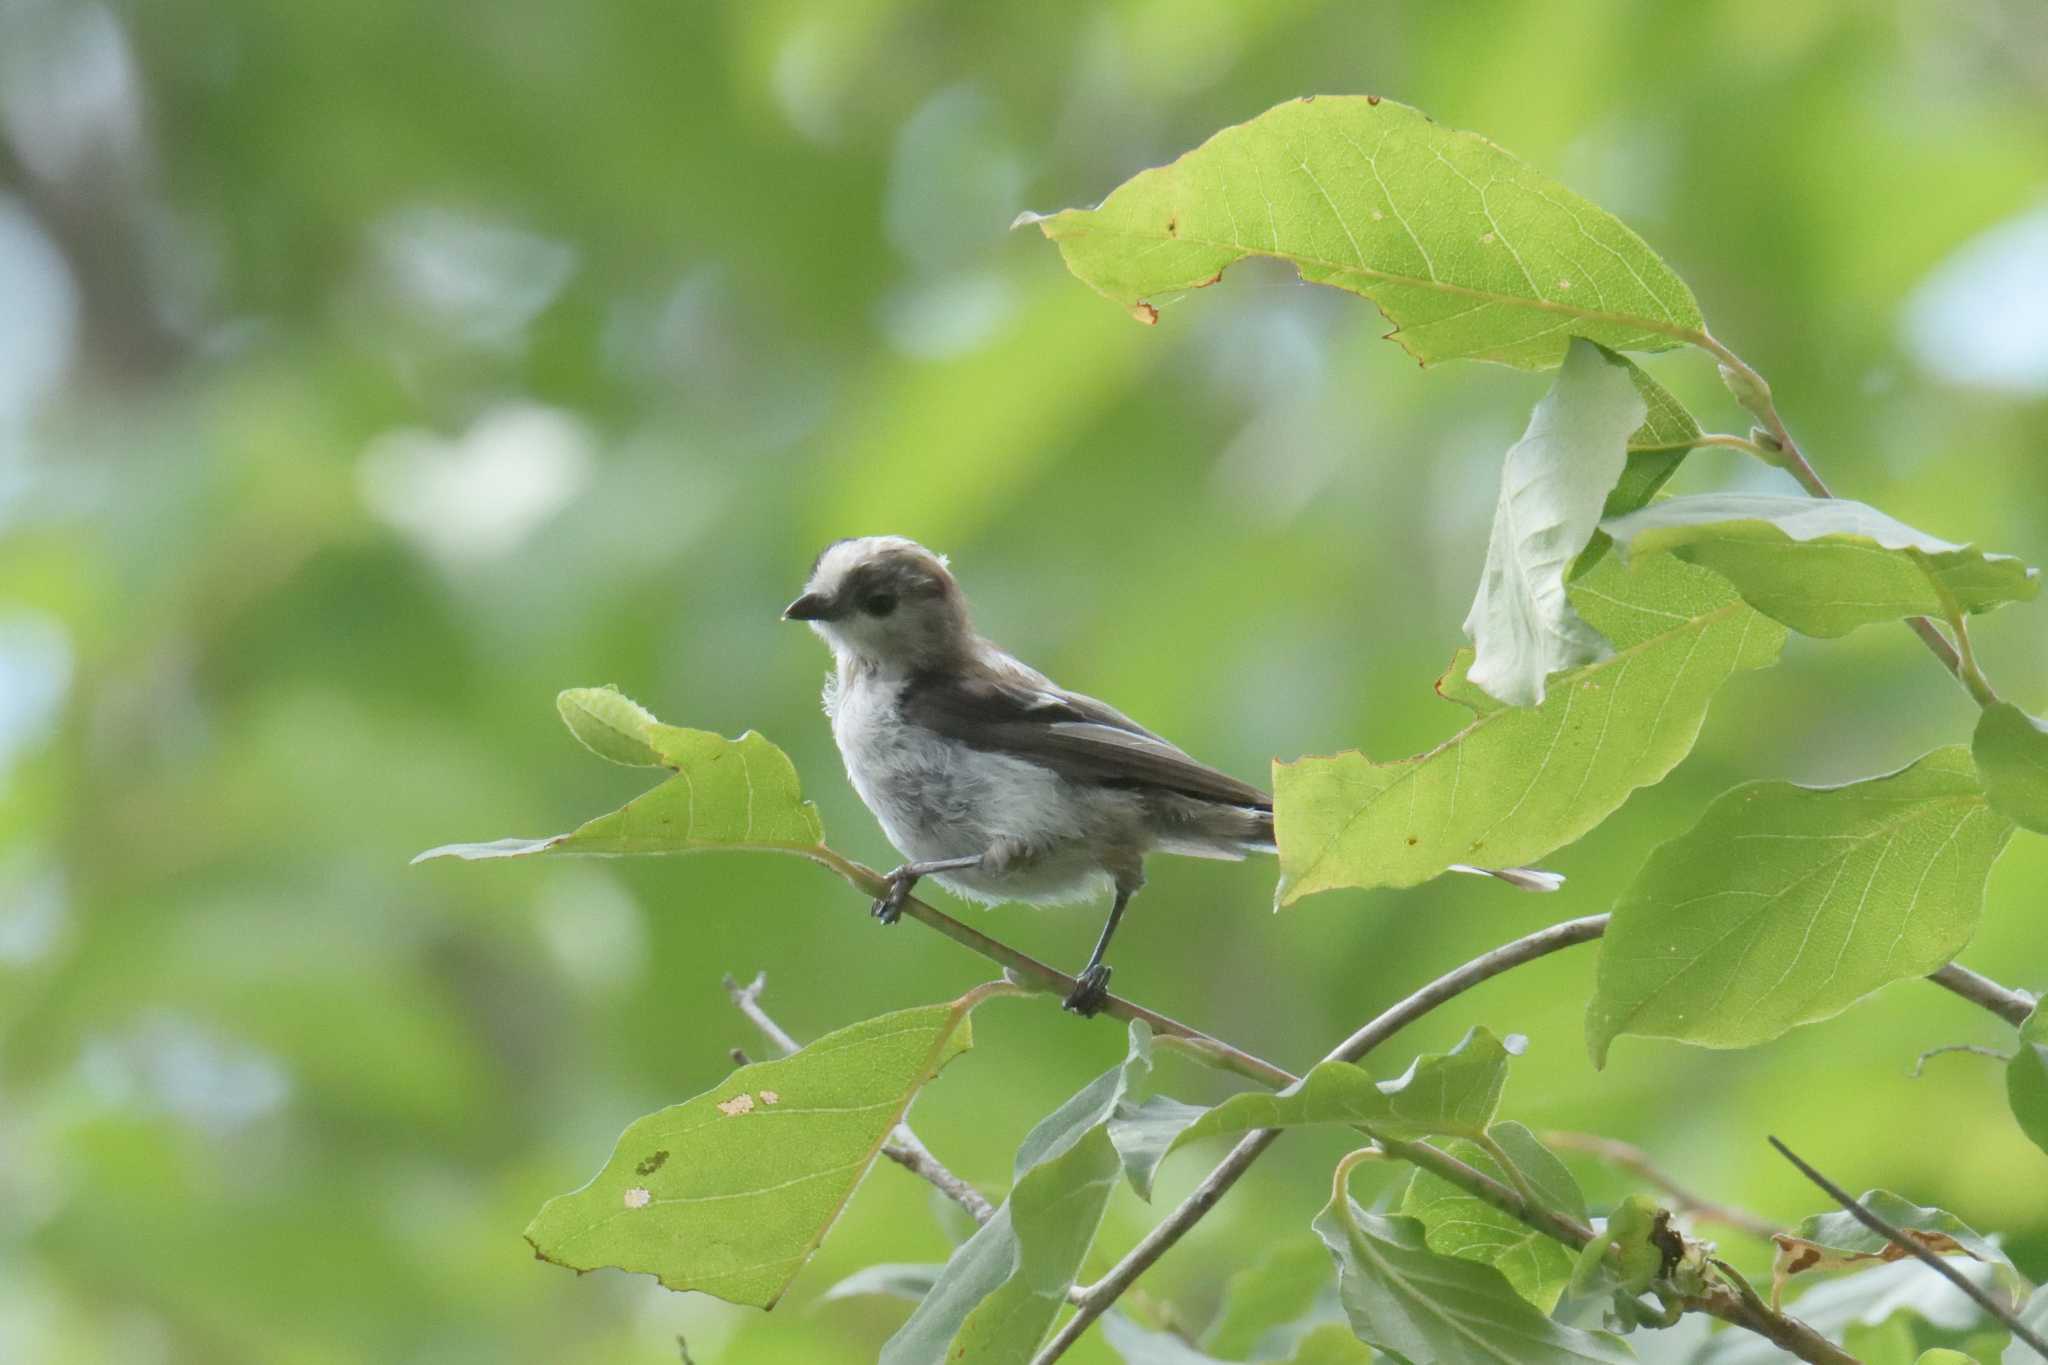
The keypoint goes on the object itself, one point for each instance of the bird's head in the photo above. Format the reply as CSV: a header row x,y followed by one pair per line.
x,y
887,601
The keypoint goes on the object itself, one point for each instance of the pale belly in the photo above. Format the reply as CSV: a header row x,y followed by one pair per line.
x,y
937,799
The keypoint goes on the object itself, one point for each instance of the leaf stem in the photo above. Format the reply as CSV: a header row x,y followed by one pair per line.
x,y
1754,394
1899,1239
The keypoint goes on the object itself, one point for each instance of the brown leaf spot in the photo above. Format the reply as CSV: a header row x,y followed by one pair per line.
x,y
1145,313
1486,239
638,1197
1173,225
770,1097
1372,99
1564,284
1204,284
741,1103
1413,841
651,1164
1308,99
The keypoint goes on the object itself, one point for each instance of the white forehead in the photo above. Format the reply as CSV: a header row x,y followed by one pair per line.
x,y
843,557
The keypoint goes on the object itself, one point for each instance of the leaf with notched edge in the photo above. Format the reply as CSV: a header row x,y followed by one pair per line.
x,y
1471,253
731,1192
1788,904
1518,783
739,794
1837,1241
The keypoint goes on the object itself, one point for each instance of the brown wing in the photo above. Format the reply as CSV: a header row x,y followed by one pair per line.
x,y
1078,737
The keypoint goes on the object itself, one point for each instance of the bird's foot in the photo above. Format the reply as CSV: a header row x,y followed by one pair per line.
x,y
889,908
1091,990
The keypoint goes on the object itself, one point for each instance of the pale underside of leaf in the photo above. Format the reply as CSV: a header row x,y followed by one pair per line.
x,y
730,1192
1823,566
1788,904
1518,783
1553,485
1470,252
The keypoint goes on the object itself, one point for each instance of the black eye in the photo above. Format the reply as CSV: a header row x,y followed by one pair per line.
x,y
878,603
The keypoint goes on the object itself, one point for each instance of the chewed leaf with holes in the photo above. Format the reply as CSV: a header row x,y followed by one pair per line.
x,y
1469,252
1517,783
1788,904
731,1192
1823,566
726,793
1837,1241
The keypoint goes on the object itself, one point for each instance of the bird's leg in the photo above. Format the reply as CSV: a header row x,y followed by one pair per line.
x,y
889,908
1091,988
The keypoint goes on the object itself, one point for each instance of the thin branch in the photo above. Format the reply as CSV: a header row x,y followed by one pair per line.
x,y
1900,1240
1743,378
1978,1049
1030,972
1721,1301
903,1147
1175,1225
2009,1005
1637,1162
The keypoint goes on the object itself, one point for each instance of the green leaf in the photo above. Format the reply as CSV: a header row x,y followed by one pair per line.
x,y
1458,1223
1429,1308
1823,566
2011,749
1004,1286
731,1192
1469,252
726,793
1941,1355
1788,904
1552,486
1655,449
1518,783
611,725
1453,1093
1837,1240
1144,1133
2026,1078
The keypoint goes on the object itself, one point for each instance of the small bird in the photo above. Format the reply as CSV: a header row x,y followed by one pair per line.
x,y
986,775
992,779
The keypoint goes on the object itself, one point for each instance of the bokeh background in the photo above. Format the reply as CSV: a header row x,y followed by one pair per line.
x,y
370,371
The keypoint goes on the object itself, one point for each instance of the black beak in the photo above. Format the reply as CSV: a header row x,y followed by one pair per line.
x,y
810,607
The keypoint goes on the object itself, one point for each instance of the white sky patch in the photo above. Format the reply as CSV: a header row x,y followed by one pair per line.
x,y
68,89
1980,318
34,910
478,497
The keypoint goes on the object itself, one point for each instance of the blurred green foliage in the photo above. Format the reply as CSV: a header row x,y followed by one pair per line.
x,y
375,371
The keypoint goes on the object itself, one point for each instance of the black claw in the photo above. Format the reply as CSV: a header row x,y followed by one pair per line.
x,y
889,908
1090,992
